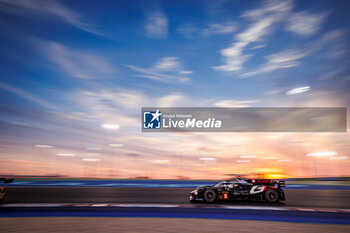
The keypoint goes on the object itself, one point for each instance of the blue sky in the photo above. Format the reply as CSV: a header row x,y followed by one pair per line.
x,y
69,66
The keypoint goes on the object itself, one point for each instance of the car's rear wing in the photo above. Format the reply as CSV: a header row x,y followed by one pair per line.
x,y
7,180
268,182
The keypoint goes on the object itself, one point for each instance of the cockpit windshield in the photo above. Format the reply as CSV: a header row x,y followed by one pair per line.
x,y
241,181
223,183
220,184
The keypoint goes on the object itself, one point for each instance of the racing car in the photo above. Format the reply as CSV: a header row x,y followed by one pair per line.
x,y
241,189
2,192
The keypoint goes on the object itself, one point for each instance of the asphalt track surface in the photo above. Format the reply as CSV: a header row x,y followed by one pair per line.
x,y
164,212
154,225
315,206
294,198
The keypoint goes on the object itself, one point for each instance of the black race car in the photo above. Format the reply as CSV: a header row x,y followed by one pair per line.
x,y
241,189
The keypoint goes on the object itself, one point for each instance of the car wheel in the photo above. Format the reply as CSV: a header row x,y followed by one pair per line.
x,y
271,196
209,195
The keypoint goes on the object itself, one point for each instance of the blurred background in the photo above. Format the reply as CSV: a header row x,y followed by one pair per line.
x,y
74,76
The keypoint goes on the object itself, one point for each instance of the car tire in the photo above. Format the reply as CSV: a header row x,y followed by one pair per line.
x,y
271,196
209,195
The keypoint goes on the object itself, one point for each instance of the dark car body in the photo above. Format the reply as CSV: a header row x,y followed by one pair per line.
x,y
241,189
2,190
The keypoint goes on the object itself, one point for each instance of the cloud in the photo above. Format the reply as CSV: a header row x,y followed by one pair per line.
x,y
190,30
259,46
286,58
167,64
156,25
75,63
223,28
167,69
185,72
122,106
176,99
281,60
291,57
305,24
275,91
299,90
262,19
235,103
269,8
27,96
36,8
